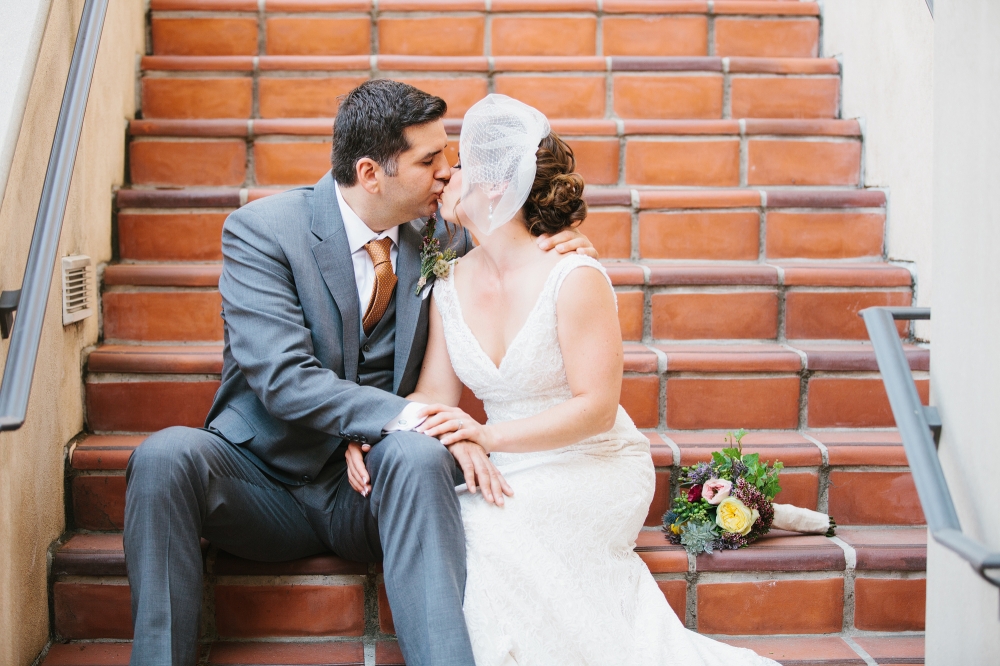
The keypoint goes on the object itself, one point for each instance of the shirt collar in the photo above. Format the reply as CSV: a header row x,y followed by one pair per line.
x,y
357,231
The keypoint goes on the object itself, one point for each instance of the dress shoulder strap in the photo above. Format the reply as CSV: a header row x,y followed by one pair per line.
x,y
571,262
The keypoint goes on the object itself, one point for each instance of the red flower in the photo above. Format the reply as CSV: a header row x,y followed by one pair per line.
x,y
694,494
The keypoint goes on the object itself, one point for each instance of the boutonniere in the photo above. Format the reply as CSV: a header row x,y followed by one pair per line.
x,y
433,261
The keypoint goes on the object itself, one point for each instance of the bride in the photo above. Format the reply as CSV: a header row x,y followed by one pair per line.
x,y
552,574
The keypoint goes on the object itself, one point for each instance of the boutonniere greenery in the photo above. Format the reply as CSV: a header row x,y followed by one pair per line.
x,y
433,261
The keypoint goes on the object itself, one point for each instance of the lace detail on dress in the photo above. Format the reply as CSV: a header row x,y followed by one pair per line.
x,y
552,576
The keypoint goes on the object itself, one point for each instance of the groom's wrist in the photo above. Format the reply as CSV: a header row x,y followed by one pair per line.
x,y
406,420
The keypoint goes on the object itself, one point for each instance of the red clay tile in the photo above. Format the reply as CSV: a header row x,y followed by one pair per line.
x,y
385,623
668,96
739,64
204,36
685,163
708,235
874,498
790,448
630,314
254,611
88,654
771,607
893,649
304,98
557,96
99,502
606,196
669,127
882,604
833,315
730,358
639,358
757,403
610,231
170,63
163,315
824,235
655,35
166,275
164,236
856,357
799,489
204,163
436,5
778,551
290,163
459,92
596,160
655,7
147,406
544,6
783,97
189,127
662,454
845,275
287,35
332,653
549,64
388,653
436,35
84,610
887,549
661,500
802,126
104,452
516,35
203,5
641,399
676,593
625,274
197,98
699,199
788,162
737,315
767,37
765,7
862,447
806,650
659,554
815,198
847,402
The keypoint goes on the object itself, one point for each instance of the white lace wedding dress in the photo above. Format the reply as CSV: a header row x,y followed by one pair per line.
x,y
552,576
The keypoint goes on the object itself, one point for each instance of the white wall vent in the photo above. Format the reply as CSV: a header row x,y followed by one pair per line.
x,y
77,288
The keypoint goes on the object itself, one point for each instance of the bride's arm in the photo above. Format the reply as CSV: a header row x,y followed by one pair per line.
x,y
591,344
438,382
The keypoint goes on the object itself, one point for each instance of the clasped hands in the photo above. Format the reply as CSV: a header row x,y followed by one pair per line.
x,y
468,441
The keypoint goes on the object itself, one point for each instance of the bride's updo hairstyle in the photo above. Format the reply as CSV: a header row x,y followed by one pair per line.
x,y
556,198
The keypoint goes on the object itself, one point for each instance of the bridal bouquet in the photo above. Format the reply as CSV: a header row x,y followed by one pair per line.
x,y
729,503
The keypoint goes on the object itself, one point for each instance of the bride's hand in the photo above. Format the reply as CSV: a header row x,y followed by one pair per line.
x,y
452,424
475,465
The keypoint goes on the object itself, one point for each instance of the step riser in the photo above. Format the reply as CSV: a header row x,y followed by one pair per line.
x,y
299,607
219,34
676,95
668,161
670,234
684,313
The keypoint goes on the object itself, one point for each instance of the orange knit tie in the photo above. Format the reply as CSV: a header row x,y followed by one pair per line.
x,y
385,283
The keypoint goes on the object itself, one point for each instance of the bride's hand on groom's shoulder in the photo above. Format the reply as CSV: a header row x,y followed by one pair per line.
x,y
568,241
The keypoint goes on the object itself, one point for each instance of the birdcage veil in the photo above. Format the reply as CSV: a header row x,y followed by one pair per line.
x,y
500,137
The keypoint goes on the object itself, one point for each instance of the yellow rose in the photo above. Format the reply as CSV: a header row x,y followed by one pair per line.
x,y
734,516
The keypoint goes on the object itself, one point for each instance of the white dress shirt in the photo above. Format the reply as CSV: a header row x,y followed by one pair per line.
x,y
358,234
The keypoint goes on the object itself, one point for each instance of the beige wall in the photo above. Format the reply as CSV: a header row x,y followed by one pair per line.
x,y
887,51
32,458
963,611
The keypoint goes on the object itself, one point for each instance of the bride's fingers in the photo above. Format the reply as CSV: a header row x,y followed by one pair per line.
x,y
435,420
450,426
504,486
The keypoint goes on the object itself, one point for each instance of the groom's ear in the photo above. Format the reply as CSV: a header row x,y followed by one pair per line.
x,y
369,174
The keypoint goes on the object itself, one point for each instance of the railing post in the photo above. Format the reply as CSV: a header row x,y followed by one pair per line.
x,y
27,328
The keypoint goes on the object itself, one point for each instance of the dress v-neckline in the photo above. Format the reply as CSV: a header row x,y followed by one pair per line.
x,y
517,336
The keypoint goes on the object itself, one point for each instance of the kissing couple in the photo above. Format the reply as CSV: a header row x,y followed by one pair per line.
x,y
349,334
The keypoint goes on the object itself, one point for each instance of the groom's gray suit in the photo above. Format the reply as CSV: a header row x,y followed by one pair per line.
x,y
266,478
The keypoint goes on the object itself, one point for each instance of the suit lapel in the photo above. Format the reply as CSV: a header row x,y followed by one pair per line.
x,y
333,256
408,304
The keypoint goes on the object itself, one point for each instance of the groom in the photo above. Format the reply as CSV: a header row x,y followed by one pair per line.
x,y
324,334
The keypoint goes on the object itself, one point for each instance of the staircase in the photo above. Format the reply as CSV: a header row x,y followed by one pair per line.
x,y
725,199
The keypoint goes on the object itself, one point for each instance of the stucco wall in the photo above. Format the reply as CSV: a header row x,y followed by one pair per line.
x,y
886,48
32,458
963,611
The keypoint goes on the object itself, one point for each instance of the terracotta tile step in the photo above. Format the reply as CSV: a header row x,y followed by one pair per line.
x,y
790,651
458,64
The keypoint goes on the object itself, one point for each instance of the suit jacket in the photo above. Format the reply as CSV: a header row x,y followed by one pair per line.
x,y
289,396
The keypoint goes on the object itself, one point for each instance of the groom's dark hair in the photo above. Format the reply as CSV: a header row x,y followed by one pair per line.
x,y
370,123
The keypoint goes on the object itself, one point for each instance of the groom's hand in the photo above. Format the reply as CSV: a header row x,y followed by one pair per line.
x,y
567,241
476,465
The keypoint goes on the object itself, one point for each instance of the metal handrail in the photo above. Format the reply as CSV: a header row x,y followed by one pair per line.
x,y
27,327
916,423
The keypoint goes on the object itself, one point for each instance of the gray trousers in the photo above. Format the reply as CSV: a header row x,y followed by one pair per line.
x,y
186,483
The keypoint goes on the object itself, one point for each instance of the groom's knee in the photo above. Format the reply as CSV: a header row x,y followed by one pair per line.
x,y
416,455
164,457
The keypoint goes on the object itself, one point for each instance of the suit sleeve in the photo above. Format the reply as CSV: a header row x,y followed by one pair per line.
x,y
272,345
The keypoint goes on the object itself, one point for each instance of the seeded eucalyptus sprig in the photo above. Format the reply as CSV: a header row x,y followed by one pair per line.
x,y
432,260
